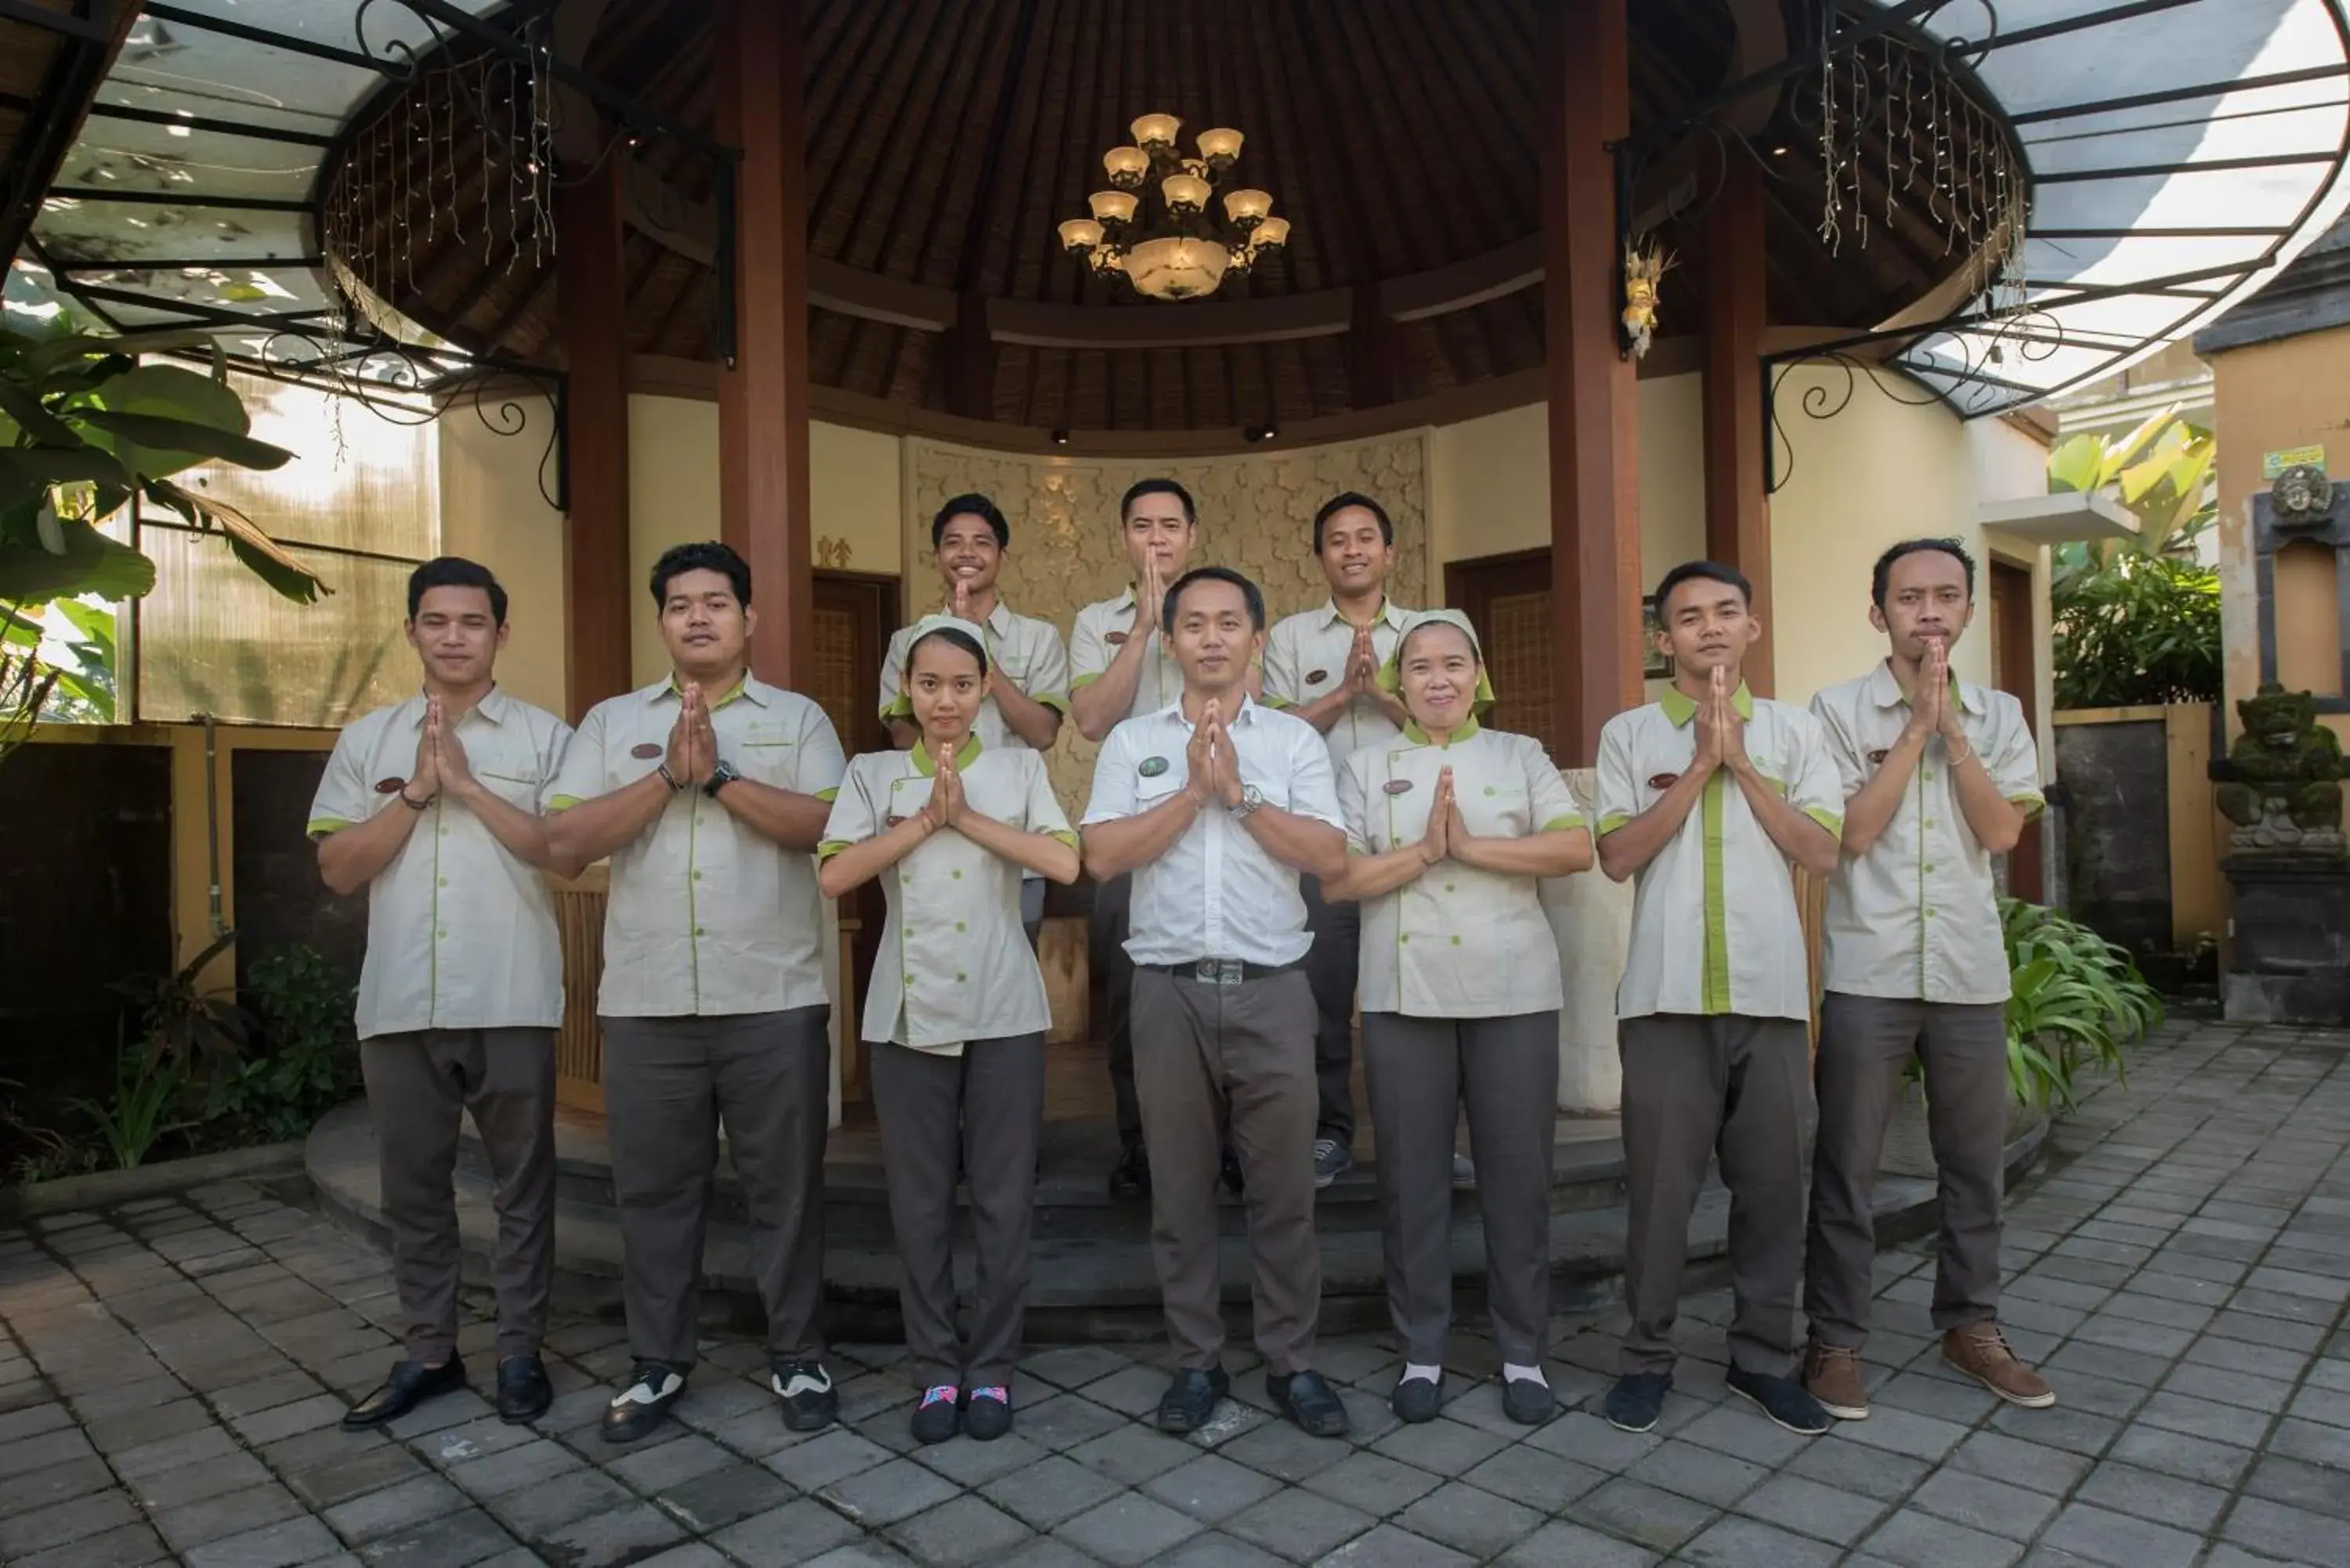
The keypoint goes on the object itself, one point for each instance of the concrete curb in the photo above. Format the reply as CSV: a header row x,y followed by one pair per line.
x,y
104,1188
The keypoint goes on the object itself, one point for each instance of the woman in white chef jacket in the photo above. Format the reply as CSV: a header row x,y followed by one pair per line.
x,y
1450,827
956,1014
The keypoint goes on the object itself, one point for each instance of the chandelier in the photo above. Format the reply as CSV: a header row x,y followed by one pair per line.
x,y
1181,253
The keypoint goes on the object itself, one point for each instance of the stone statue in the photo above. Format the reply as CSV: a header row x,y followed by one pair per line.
x,y
2301,498
2281,781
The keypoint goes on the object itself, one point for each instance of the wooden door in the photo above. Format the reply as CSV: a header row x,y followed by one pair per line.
x,y
855,614
1507,598
2012,671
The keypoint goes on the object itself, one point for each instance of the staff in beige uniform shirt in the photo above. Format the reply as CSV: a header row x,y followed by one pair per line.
x,y
1448,827
708,791
1942,775
1323,666
1027,688
956,1014
1706,796
432,805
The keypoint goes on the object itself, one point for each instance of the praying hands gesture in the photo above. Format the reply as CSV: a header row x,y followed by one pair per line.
x,y
1362,665
1720,732
693,742
1931,712
947,806
1149,598
1443,812
1215,768
453,770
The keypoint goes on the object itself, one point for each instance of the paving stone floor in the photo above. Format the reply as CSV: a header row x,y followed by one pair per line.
x,y
170,1373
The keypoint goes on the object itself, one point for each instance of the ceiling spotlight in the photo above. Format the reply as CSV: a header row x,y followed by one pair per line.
x,y
1060,438
1779,150
1258,432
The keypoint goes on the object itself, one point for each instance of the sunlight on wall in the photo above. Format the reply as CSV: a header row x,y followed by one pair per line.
x,y
491,512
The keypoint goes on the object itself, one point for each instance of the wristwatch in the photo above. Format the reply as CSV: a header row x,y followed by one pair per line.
x,y
720,777
1251,798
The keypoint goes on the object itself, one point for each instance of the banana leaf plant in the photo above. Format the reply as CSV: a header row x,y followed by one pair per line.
x,y
86,424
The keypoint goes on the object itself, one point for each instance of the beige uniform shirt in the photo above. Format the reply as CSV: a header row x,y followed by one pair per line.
x,y
461,934
1715,929
1215,894
1918,916
1305,658
954,963
705,916
1093,639
1026,650
1456,941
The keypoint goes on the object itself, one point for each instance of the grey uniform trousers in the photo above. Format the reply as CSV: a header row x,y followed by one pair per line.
x,y
1333,965
1735,1088
1106,946
1865,1042
1203,1051
1419,1070
668,1083
987,1106
418,1085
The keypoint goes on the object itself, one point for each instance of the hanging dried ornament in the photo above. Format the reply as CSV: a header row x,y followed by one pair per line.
x,y
1831,195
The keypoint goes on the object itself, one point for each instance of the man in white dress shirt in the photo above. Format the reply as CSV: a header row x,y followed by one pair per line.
x,y
1215,803
432,805
1942,775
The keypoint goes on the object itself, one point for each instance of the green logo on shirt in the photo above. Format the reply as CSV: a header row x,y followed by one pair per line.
x,y
1151,767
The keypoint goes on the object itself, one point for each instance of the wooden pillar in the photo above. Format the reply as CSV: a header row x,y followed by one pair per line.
x,y
762,394
1593,409
1737,509
591,285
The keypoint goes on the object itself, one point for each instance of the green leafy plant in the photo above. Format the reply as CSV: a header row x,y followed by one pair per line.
x,y
2161,472
309,1060
179,1020
144,1108
2144,630
2077,1000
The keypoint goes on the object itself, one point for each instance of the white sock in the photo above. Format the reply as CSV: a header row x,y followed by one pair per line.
x,y
1413,1369
1523,1374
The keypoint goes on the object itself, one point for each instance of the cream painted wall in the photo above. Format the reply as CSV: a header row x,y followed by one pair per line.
x,y
854,485
491,512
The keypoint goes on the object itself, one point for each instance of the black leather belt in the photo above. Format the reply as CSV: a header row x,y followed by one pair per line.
x,y
1222,971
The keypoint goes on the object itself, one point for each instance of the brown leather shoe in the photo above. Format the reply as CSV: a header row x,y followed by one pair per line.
x,y
1980,1350
1832,1377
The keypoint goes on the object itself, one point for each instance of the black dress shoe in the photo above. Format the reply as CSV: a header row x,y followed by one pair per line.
x,y
640,1406
1130,1176
410,1384
524,1392
1416,1400
1192,1398
1527,1402
1311,1402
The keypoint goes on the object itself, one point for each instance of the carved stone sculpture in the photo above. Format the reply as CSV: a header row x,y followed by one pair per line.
x,y
2281,781
2301,496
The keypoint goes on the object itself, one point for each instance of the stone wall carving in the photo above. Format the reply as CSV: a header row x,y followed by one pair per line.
x,y
1256,511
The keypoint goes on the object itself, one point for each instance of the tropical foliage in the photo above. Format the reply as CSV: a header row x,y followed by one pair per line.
x,y
2077,1001
2136,619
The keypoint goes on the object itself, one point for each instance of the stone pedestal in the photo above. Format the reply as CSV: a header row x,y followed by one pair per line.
x,y
1591,919
2292,931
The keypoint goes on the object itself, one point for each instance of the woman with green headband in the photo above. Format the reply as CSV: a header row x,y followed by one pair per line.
x,y
956,1013
1450,827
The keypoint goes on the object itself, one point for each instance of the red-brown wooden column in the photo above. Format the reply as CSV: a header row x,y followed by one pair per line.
x,y
591,286
1595,515
1737,509
763,398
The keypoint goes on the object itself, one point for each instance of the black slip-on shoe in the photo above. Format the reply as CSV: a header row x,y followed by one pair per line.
x,y
1311,1402
524,1392
940,1415
1130,1176
1527,1402
987,1414
410,1384
1637,1400
1784,1400
643,1403
810,1401
1192,1398
1416,1400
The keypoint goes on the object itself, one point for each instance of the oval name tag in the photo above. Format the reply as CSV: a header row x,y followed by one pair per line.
x,y
1663,781
389,787
648,749
1316,677
892,820
1114,636
1397,786
1151,767
1877,758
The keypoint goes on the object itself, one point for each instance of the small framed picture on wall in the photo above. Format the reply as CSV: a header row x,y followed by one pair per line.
x,y
1654,665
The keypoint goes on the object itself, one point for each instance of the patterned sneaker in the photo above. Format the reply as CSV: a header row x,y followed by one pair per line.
x,y
810,1402
988,1416
1981,1351
940,1415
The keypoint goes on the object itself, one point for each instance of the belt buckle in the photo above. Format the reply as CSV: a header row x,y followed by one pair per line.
x,y
1228,971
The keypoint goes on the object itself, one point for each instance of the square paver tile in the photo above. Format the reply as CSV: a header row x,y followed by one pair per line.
x,y
1130,1528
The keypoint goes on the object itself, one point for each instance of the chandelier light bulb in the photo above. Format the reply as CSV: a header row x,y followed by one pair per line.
x,y
1184,192
1248,208
1152,132
1270,233
1126,166
1114,206
1220,145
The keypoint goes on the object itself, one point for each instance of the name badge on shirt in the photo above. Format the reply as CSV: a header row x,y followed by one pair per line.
x,y
1114,636
1151,767
1397,786
647,749
1663,781
1877,758
1316,677
389,787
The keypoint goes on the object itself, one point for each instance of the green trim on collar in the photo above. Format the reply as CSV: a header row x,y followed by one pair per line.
x,y
1419,737
1680,708
926,765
